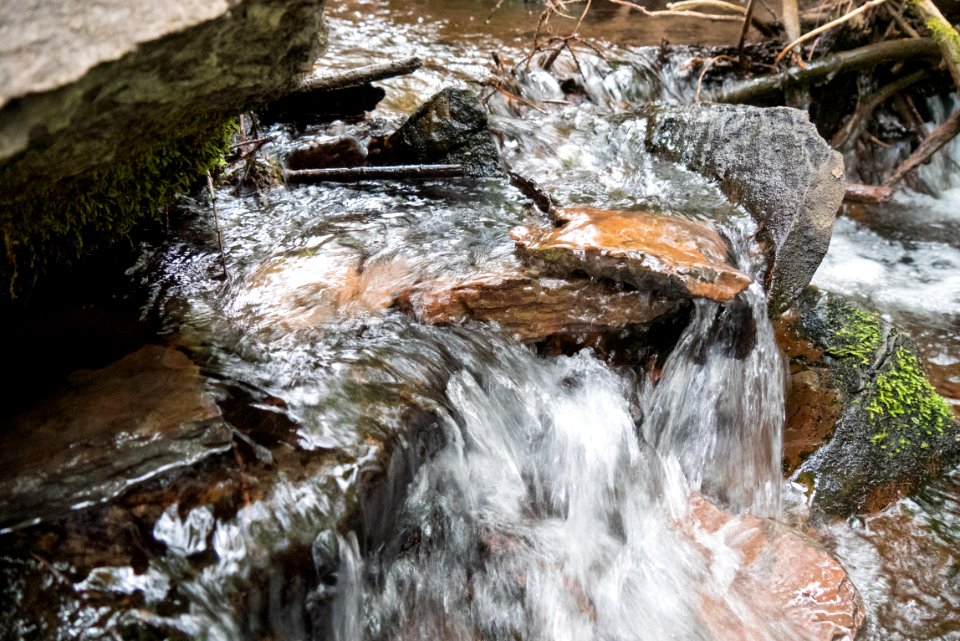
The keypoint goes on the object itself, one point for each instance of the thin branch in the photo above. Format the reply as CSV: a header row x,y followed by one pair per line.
x,y
360,75
830,25
930,145
386,172
714,17
716,4
852,128
706,67
747,15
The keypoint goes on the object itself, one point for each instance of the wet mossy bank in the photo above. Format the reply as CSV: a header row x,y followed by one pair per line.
x,y
864,424
83,163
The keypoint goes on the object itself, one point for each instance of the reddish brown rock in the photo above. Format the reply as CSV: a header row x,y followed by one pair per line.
x,y
532,308
783,576
108,428
649,251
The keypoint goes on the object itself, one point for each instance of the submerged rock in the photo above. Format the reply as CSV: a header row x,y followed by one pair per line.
x,y
779,571
864,425
648,251
774,163
450,128
532,308
107,430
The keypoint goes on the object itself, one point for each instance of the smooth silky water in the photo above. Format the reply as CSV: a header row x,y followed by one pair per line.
x,y
557,506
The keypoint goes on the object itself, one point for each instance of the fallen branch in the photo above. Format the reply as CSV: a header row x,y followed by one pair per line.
x,y
360,75
830,25
944,34
871,194
389,172
852,128
714,17
855,59
747,15
930,145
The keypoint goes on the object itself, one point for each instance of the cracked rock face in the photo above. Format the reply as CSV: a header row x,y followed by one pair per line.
x,y
648,251
772,162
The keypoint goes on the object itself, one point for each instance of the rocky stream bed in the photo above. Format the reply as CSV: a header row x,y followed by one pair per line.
x,y
584,391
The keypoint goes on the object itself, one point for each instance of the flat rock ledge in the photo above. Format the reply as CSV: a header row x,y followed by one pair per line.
x,y
648,251
533,308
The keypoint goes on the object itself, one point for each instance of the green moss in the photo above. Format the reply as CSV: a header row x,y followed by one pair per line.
x,y
910,411
855,333
45,225
943,33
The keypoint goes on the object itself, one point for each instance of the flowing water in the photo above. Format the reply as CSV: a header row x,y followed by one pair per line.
x,y
541,497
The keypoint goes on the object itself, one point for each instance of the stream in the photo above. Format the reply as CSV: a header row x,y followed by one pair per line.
x,y
541,496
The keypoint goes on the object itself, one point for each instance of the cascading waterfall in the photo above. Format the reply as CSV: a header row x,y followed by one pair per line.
x,y
552,514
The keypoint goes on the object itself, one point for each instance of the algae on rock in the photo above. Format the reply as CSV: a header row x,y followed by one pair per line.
x,y
891,431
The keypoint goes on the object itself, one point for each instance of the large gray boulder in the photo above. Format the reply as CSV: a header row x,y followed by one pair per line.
x,y
773,163
108,107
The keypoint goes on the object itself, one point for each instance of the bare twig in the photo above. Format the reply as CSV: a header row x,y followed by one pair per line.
x,y
714,17
747,15
930,145
830,25
216,222
387,172
706,67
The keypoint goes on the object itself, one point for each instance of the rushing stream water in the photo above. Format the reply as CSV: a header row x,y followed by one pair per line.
x,y
558,495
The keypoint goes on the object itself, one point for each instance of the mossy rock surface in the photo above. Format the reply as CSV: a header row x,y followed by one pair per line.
x,y
97,154
893,431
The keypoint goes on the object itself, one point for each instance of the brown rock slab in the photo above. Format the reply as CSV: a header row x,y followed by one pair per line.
x,y
532,308
780,571
294,292
648,251
107,429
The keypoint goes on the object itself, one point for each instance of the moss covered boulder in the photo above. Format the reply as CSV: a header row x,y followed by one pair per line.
x,y
864,425
108,108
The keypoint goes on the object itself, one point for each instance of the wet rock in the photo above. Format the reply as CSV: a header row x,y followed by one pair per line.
x,y
774,163
864,425
533,308
98,98
110,428
290,293
779,571
670,255
341,152
450,128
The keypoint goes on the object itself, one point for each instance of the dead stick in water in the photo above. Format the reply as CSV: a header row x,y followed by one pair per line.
x,y
743,35
855,59
861,193
216,222
360,75
387,172
930,145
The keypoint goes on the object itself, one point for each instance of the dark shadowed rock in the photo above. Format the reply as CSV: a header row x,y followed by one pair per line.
x,y
864,425
450,128
775,164
649,251
532,308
